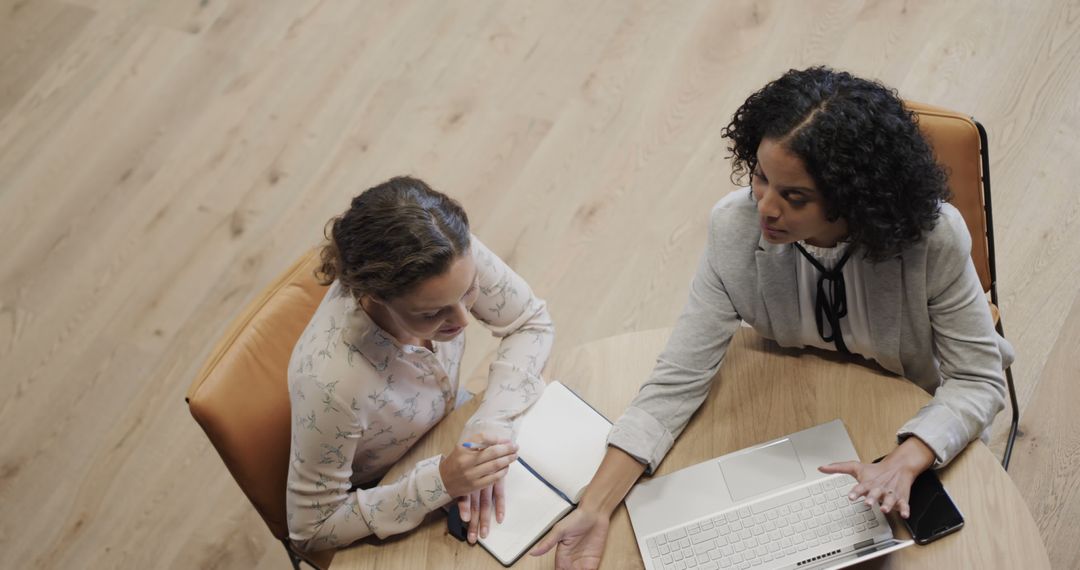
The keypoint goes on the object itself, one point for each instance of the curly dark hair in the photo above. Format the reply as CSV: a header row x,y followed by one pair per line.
x,y
393,236
859,144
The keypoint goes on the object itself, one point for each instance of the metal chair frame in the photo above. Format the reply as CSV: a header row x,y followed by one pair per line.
x,y
296,558
988,213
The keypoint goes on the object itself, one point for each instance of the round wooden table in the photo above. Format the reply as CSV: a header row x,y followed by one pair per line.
x,y
762,392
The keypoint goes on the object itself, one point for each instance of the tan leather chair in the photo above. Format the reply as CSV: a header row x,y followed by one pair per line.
x,y
241,395
959,143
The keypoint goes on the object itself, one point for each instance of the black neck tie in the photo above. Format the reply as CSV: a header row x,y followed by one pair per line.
x,y
831,302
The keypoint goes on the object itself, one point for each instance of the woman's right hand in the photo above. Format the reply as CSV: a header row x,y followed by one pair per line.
x,y
581,537
466,470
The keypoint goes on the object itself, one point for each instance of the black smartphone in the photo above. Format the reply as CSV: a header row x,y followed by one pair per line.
x,y
456,527
933,513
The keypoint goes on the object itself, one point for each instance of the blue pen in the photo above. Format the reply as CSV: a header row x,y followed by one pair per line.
x,y
476,446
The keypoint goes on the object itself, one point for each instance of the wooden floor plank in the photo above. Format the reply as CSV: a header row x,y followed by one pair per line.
x,y
160,162
1044,462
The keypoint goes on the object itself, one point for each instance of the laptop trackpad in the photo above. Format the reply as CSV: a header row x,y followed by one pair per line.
x,y
761,470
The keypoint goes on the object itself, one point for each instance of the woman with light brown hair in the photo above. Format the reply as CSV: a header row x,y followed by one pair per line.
x,y
379,364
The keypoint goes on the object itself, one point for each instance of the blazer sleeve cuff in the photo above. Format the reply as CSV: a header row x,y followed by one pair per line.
x,y
940,429
642,436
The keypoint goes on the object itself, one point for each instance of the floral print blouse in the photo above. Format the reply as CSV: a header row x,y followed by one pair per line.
x,y
360,400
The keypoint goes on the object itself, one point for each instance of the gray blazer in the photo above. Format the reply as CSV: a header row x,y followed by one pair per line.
x,y
929,322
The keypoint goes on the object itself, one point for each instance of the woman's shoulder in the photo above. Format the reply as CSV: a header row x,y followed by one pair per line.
x,y
487,261
734,232
329,345
949,237
736,212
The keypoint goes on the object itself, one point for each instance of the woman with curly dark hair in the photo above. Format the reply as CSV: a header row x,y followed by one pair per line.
x,y
844,242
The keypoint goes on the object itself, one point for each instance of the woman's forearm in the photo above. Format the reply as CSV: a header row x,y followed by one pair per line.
x,y
617,474
914,455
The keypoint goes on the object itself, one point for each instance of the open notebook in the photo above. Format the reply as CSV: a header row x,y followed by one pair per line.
x,y
561,443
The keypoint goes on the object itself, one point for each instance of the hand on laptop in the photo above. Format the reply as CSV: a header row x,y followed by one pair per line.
x,y
887,483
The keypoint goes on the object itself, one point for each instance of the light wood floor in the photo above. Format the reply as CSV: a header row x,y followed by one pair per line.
x,y
161,161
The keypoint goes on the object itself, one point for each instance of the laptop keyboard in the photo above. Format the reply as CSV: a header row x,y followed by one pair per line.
x,y
794,528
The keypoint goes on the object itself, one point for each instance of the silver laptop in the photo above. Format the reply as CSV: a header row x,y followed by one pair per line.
x,y
765,507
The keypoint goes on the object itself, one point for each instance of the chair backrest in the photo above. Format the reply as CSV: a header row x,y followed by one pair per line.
x,y
956,142
241,395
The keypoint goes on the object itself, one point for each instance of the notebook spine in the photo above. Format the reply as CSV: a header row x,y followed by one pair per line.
x,y
545,481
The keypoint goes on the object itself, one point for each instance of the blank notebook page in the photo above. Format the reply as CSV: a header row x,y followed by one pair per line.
x,y
563,439
531,507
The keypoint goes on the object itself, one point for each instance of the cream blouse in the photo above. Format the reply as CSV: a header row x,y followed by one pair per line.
x,y
360,400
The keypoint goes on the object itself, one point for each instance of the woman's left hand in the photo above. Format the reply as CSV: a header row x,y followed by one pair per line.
x,y
475,509
887,483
